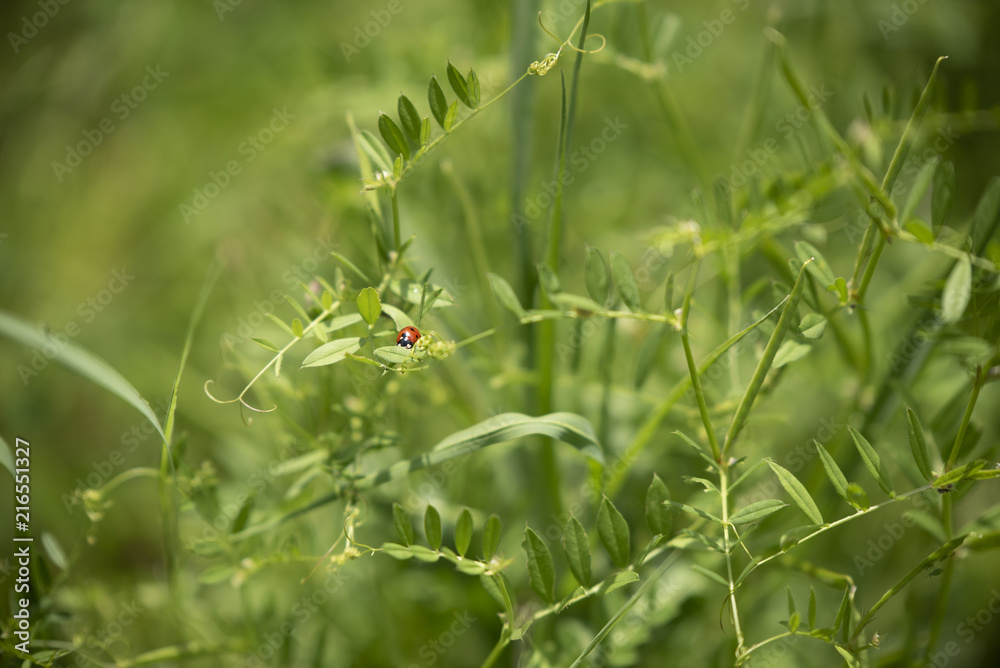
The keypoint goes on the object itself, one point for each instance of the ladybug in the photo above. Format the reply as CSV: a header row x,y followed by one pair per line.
x,y
407,337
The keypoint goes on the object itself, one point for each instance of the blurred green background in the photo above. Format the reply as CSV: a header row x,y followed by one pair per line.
x,y
115,117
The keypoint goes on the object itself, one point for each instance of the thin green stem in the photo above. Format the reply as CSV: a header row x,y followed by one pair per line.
x,y
957,445
395,217
138,472
843,520
699,394
724,496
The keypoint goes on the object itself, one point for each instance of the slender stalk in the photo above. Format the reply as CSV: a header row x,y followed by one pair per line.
x,y
724,496
699,394
957,445
395,218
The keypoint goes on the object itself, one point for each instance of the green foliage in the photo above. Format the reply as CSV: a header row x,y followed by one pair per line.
x,y
829,315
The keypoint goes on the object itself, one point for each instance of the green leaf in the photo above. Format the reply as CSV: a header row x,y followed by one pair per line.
x,y
658,518
54,550
843,612
872,461
491,536
449,117
613,532
711,575
789,352
473,83
297,328
597,275
920,185
857,497
425,131
618,580
577,547
812,608
628,289
756,511
957,291
333,352
505,295
840,287
409,119
80,361
813,326
792,610
432,527
852,661
797,491
404,526
691,510
548,279
833,472
375,150
541,571
459,85
437,101
944,189
578,303
399,316
753,389
265,344
819,268
921,230
393,136
984,218
395,354
463,532
566,427
918,445
369,305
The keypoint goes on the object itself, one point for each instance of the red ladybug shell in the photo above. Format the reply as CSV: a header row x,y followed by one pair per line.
x,y
407,337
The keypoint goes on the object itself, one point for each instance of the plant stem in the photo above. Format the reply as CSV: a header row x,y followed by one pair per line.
x,y
724,496
977,385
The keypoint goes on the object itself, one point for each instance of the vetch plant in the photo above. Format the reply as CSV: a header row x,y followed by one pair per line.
x,y
569,445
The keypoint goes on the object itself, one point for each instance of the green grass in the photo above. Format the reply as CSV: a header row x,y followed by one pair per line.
x,y
709,326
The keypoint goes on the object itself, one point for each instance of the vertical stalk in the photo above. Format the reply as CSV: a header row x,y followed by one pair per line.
x,y
713,442
724,490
